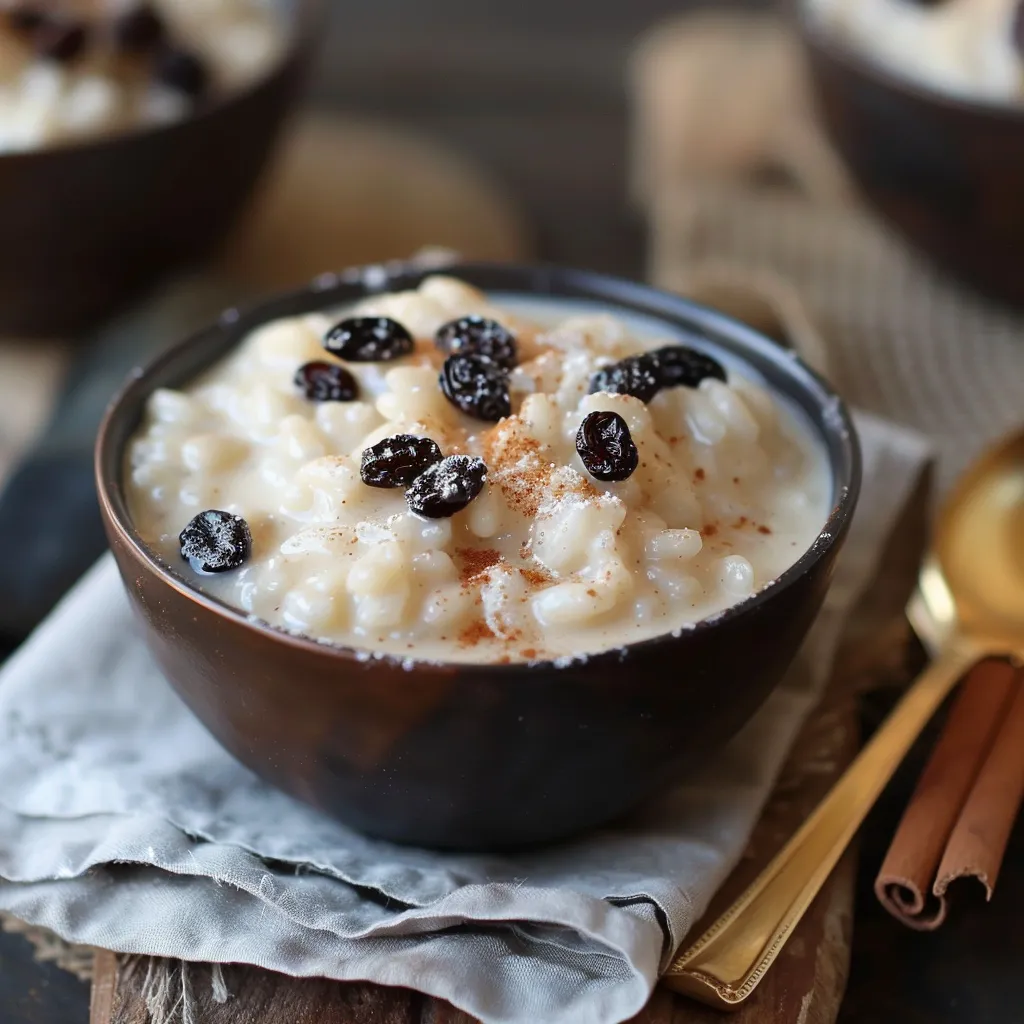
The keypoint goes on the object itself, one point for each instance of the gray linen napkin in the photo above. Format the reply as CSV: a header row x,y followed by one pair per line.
x,y
124,825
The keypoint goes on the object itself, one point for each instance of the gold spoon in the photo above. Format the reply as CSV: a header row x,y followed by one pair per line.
x,y
969,603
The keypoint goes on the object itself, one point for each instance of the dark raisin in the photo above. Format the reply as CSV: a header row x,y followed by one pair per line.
x,y
27,17
216,542
478,386
606,447
447,487
638,376
140,29
397,461
369,339
687,367
183,72
475,335
326,382
62,41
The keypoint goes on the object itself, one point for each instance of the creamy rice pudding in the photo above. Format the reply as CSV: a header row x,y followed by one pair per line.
x,y
971,48
71,69
442,474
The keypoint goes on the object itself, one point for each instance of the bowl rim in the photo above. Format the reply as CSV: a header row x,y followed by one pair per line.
x,y
836,429
303,23
854,60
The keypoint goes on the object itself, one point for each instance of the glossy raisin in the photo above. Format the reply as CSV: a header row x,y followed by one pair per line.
x,y
686,367
606,447
478,336
369,339
478,386
326,382
216,541
397,461
447,487
140,29
184,72
638,376
61,41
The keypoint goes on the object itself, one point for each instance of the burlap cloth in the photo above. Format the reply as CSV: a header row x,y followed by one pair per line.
x,y
749,209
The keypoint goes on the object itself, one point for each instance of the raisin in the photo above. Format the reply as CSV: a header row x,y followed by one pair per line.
x,y
478,386
475,335
638,376
216,542
397,461
140,29
326,382
447,487
606,447
687,367
183,72
369,339
62,41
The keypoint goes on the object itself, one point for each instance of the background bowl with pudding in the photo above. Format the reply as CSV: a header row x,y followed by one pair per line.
x,y
925,104
476,559
131,136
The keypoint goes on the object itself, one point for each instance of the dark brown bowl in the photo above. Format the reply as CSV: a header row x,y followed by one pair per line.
x,y
944,171
475,756
85,227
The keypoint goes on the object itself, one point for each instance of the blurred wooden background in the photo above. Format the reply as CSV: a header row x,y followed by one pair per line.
x,y
533,90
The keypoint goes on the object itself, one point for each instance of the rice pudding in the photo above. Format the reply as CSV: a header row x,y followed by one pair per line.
x,y
970,48
443,474
71,69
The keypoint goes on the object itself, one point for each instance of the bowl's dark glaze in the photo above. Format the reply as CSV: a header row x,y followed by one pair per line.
x,y
475,756
944,171
84,227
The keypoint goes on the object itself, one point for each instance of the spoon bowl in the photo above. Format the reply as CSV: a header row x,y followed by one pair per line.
x,y
979,546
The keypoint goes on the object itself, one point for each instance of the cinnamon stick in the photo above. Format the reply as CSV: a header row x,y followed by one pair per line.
x,y
906,880
976,847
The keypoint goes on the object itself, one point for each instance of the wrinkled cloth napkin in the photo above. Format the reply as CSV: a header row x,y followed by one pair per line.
x,y
124,825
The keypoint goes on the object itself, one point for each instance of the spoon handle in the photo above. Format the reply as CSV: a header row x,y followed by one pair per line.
x,y
726,963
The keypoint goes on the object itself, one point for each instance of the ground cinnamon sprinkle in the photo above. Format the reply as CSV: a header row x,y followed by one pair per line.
x,y
502,448
710,530
476,632
699,474
740,523
764,529
529,654
522,479
476,561
584,488
535,577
